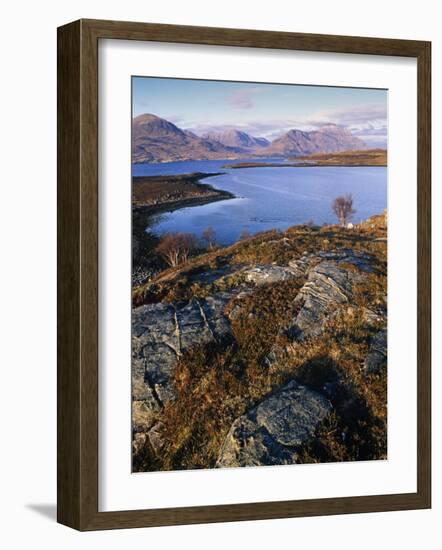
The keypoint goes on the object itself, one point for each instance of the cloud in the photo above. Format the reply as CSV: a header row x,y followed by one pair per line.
x,y
358,115
176,119
366,122
268,128
241,99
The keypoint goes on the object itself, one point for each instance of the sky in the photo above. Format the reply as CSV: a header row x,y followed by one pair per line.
x,y
262,110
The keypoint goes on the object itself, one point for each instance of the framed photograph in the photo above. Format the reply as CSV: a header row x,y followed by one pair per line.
x,y
244,275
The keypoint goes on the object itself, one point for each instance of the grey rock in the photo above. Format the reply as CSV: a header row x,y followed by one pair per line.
x,y
266,274
361,260
272,432
329,284
300,266
160,334
155,437
214,275
376,359
371,317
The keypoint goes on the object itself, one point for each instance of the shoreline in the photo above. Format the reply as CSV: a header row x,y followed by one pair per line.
x,y
150,191
298,165
346,159
178,191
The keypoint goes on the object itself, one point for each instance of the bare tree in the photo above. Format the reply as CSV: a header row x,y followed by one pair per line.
x,y
187,243
169,249
208,235
343,208
176,247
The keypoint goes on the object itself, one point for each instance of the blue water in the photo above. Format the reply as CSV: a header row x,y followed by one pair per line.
x,y
268,198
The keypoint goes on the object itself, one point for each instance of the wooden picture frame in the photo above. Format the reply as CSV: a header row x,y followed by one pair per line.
x,y
78,274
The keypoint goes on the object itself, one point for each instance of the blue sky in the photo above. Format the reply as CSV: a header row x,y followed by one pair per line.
x,y
266,110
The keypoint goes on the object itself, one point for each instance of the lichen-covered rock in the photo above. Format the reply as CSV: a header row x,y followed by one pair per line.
x,y
361,260
266,274
160,334
376,359
272,432
300,266
330,284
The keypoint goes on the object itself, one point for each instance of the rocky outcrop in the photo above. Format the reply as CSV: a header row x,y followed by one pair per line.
x,y
271,432
329,284
161,333
266,274
376,359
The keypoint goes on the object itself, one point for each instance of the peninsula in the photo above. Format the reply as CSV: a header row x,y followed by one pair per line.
x,y
371,157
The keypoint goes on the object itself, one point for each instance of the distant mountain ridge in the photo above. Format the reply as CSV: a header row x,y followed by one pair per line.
x,y
327,139
237,139
155,139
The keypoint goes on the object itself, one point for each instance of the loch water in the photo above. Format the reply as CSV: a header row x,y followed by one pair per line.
x,y
269,197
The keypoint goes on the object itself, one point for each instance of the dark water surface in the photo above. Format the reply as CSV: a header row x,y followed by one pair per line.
x,y
269,198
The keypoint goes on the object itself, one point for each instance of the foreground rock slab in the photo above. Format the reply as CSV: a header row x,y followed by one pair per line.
x,y
271,432
160,334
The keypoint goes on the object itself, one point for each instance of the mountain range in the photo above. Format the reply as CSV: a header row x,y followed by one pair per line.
x,y
155,139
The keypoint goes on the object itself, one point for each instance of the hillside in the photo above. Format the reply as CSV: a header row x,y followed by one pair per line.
x,y
157,140
327,139
270,351
238,140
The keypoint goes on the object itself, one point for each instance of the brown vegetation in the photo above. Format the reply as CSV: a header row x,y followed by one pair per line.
x,y
215,384
158,190
175,248
367,157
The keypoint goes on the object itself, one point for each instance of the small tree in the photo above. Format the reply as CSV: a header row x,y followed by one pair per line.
x,y
343,208
244,235
169,249
175,248
187,244
208,235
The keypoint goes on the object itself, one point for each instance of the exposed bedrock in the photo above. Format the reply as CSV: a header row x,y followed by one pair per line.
x,y
330,284
160,334
271,432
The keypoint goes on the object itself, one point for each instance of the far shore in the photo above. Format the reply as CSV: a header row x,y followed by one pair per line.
x,y
344,159
296,165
